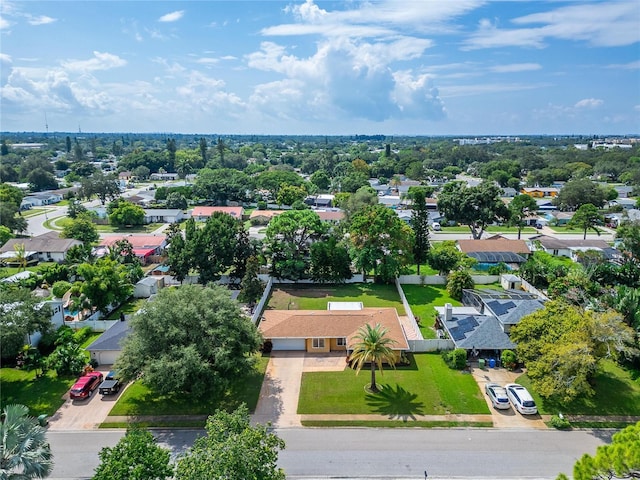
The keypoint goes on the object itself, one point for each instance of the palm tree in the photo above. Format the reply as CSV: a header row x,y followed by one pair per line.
x,y
373,346
21,256
24,451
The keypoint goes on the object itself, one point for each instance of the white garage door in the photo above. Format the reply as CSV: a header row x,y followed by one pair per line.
x,y
289,344
107,357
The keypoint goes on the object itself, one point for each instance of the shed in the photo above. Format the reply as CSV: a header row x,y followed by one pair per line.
x,y
148,286
510,281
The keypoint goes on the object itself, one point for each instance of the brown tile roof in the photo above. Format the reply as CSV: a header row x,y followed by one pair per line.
x,y
265,213
330,216
235,212
494,245
331,324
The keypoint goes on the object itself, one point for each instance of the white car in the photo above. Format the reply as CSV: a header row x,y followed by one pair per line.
x,y
497,395
521,399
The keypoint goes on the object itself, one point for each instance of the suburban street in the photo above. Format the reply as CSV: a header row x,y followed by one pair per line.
x,y
356,453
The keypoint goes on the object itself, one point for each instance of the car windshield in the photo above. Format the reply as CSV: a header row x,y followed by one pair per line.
x,y
529,403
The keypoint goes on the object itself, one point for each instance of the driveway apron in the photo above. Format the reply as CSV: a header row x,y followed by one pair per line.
x,y
278,402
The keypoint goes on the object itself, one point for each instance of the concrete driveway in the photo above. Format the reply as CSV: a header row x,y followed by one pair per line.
x,y
504,418
83,414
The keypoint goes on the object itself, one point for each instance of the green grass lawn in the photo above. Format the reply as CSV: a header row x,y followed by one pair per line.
x,y
422,299
315,297
7,271
424,270
138,399
42,395
130,307
565,229
32,213
617,392
491,229
426,387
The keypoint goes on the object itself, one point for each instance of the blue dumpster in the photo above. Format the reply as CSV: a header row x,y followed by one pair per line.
x,y
492,363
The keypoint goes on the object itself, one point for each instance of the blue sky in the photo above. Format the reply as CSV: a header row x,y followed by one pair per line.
x,y
448,67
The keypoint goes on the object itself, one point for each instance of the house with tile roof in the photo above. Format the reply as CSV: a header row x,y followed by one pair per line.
x,y
201,214
496,250
263,217
322,331
48,247
144,246
561,247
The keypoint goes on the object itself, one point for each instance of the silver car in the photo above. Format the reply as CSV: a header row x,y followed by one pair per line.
x,y
497,395
521,399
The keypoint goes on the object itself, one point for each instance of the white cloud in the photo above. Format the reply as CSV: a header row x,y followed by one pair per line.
x,y
605,24
450,91
516,67
626,66
589,103
4,23
40,20
100,61
172,17
4,58
207,61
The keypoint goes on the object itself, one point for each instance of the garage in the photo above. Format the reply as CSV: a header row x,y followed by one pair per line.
x,y
107,347
105,357
289,344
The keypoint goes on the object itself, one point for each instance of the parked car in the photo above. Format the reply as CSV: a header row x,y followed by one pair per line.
x,y
521,399
111,384
436,227
85,385
497,395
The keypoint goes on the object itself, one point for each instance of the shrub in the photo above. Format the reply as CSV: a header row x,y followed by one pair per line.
x,y
498,269
509,359
456,359
60,288
457,281
262,205
267,346
54,273
82,334
559,423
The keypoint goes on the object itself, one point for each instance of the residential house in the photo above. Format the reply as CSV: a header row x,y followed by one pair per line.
x,y
322,331
509,192
163,215
496,250
482,325
560,218
164,176
624,191
42,198
320,201
201,214
546,204
107,347
144,246
392,201
625,203
263,217
331,216
540,192
56,319
48,247
563,247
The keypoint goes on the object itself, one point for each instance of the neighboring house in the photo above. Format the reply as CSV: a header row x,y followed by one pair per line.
x,y
201,214
484,322
322,331
125,176
42,198
320,201
57,317
561,218
48,247
496,250
148,286
163,215
392,201
144,246
540,192
563,247
164,176
331,216
546,204
624,191
509,192
625,203
263,217
107,347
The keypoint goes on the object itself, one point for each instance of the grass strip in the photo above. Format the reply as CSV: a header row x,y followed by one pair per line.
x,y
394,424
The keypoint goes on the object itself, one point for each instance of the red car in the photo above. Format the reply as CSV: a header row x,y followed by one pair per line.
x,y
85,385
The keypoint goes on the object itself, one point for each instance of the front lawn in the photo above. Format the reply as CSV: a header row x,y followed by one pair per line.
x,y
426,387
617,392
316,297
42,395
422,299
138,399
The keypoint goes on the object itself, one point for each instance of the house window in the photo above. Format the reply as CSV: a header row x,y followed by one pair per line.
x,y
341,342
318,343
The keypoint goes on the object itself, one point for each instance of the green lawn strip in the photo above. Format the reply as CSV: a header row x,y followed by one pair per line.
x,y
563,229
617,425
139,400
426,387
150,227
393,424
422,299
491,229
42,395
129,308
8,271
316,297
617,392
159,424
424,270
34,212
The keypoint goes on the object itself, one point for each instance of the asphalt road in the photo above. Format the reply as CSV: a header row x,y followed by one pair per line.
x,y
356,453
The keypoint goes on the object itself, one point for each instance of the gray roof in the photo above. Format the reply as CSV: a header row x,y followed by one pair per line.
x,y
511,311
164,212
111,339
482,332
554,243
49,242
496,257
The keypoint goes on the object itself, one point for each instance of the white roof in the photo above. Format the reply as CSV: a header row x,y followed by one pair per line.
x,y
345,306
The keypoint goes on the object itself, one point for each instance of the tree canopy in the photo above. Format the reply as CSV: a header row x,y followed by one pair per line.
x,y
477,207
191,339
232,449
372,346
579,191
587,217
521,207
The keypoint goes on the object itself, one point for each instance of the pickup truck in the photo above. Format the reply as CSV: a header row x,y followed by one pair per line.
x,y
110,386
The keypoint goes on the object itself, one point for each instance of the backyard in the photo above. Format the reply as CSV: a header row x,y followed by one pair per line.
x,y
425,387
423,299
316,297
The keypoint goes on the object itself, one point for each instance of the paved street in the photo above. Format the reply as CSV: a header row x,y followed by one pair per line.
x,y
358,453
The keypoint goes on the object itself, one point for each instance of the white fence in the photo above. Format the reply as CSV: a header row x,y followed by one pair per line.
x,y
431,345
357,278
407,309
527,287
257,313
440,280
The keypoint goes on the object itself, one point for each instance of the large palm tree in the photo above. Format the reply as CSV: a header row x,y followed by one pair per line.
x,y
372,345
24,450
